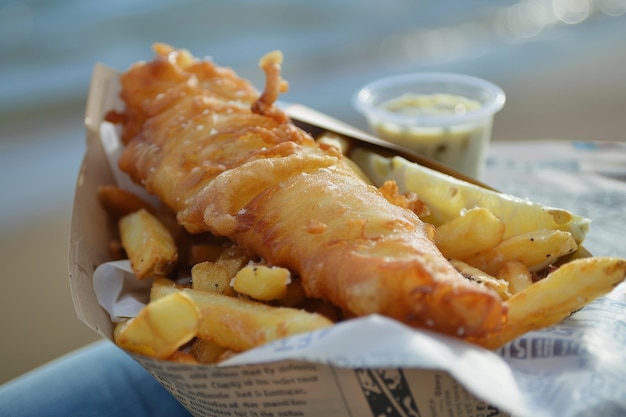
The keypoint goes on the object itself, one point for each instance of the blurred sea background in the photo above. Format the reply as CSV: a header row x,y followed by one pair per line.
x,y
562,64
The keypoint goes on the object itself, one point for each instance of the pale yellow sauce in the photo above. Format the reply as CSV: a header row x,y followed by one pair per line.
x,y
461,146
430,104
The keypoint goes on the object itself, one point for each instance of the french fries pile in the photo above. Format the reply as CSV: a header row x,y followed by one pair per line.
x,y
208,296
531,255
211,300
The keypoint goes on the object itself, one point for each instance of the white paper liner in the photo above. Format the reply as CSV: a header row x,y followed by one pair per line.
x,y
119,291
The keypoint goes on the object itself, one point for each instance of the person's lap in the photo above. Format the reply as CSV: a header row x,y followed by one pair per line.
x,y
97,380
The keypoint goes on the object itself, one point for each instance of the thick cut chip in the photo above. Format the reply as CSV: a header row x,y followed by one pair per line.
x,y
517,275
536,250
240,324
476,275
474,231
150,246
160,328
119,202
207,352
549,301
211,276
262,282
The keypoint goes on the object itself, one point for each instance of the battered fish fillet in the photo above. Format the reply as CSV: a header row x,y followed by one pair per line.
x,y
229,162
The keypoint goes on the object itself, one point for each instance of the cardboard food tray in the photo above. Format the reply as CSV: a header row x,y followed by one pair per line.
x,y
364,367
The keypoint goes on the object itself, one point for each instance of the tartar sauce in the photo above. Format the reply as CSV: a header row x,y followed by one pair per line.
x,y
461,146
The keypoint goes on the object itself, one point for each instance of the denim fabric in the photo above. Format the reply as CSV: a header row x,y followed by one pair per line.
x,y
98,380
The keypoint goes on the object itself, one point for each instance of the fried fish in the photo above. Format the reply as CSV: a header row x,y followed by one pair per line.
x,y
228,161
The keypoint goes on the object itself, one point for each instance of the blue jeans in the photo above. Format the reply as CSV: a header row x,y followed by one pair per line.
x,y
98,380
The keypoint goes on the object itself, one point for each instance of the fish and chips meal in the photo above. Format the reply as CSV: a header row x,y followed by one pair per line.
x,y
262,230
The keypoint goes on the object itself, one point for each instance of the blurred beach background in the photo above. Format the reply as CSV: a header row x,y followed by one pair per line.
x,y
561,63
